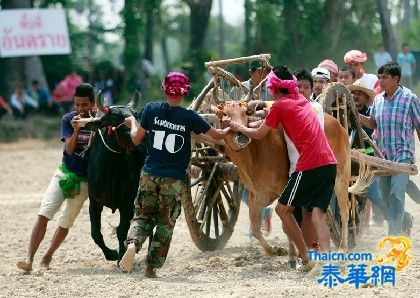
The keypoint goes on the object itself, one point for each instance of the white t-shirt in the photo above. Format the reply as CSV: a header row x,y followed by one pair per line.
x,y
291,149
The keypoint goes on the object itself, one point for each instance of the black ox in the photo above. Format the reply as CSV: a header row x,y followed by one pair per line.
x,y
114,171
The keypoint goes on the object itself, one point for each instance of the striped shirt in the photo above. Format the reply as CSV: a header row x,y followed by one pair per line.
x,y
396,120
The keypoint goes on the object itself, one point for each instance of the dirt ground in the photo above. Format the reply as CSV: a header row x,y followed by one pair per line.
x,y
79,269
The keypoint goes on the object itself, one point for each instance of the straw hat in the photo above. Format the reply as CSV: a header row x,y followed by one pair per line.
x,y
358,85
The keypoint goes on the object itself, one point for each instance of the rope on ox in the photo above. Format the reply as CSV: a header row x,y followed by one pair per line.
x,y
114,130
106,145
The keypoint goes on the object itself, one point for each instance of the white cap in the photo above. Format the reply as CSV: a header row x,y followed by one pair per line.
x,y
321,72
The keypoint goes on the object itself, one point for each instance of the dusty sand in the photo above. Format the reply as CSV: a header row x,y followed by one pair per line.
x,y
79,269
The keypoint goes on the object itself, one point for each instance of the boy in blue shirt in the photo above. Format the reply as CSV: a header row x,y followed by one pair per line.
x,y
69,183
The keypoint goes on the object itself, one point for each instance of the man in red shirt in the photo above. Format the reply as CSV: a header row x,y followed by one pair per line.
x,y
312,183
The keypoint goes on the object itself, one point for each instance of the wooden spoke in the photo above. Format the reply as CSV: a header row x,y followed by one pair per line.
x,y
222,212
208,221
216,220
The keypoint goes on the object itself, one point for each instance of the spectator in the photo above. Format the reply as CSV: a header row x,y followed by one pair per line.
x,y
331,67
408,66
381,56
321,77
363,99
346,75
356,59
41,95
63,93
4,107
21,103
395,116
106,85
257,73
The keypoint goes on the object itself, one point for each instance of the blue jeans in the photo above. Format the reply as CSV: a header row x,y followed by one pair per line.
x,y
392,191
265,213
375,198
413,191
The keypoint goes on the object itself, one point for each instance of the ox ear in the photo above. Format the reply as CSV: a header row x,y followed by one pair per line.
x,y
242,104
135,100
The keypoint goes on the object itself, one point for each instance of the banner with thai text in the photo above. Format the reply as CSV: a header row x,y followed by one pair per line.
x,y
29,32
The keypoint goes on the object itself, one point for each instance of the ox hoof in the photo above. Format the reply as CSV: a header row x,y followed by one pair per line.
x,y
111,255
280,251
292,264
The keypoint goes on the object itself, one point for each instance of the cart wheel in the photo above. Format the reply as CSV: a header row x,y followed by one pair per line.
x,y
358,221
334,225
211,205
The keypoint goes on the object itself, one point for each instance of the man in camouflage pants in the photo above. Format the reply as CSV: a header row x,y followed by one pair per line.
x,y
162,181
158,204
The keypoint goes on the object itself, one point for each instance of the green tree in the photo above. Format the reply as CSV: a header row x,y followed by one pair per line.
x,y
133,26
199,21
301,33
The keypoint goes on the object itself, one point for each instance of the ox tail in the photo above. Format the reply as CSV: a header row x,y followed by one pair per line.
x,y
364,179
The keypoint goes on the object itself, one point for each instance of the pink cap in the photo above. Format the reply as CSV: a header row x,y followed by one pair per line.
x,y
355,56
176,83
329,65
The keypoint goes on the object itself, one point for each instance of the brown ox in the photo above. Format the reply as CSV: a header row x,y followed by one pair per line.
x,y
263,168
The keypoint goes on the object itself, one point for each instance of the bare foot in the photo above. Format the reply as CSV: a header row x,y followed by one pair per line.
x,y
45,262
150,272
24,265
127,261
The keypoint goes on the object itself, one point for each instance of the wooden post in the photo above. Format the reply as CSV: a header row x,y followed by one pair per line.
x,y
366,138
384,166
343,106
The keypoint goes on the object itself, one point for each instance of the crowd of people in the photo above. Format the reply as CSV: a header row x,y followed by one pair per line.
x,y
389,112
37,99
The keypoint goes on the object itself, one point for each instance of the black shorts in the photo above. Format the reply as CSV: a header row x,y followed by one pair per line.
x,y
312,188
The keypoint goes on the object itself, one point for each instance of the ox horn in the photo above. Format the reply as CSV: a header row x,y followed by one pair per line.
x,y
135,100
99,102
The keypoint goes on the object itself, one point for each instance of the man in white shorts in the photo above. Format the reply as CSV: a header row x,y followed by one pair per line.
x,y
69,183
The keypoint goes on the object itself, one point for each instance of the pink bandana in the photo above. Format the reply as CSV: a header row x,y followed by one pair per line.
x,y
273,82
355,56
176,83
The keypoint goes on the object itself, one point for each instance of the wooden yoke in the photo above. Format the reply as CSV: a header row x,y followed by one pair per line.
x,y
240,60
